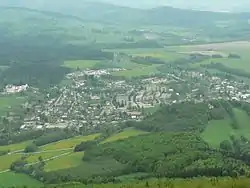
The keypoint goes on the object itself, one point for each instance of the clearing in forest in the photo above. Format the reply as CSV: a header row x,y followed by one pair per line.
x,y
220,130
81,64
69,143
123,135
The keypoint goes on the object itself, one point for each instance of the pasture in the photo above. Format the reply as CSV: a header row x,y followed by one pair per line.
x,y
224,49
123,135
69,143
64,162
7,160
11,179
9,102
81,64
220,130
15,147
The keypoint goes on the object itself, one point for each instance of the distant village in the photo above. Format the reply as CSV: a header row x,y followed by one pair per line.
x,y
95,98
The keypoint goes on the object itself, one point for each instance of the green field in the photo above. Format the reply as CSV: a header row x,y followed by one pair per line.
x,y
31,158
240,48
15,147
123,135
10,179
141,71
69,143
75,159
220,130
68,161
81,64
162,53
8,102
7,160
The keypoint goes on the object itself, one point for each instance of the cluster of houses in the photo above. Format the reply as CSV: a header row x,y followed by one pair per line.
x,y
112,101
10,89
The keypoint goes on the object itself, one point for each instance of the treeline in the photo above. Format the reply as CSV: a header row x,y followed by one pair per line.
x,y
38,75
167,183
179,117
148,60
182,63
39,137
54,136
223,68
137,44
171,155
45,49
37,61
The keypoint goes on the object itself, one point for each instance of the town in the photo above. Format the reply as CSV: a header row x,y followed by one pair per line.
x,y
95,98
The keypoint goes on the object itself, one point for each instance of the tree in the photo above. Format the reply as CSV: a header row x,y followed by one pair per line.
x,y
226,145
31,148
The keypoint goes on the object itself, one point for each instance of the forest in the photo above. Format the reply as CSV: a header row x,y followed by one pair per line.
x,y
37,61
173,148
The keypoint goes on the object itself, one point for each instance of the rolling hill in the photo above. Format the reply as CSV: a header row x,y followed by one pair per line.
x,y
96,11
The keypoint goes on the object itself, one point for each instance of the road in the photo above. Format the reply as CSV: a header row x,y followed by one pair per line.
x,y
45,160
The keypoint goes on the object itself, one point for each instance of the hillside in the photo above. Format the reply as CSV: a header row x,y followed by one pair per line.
x,y
117,14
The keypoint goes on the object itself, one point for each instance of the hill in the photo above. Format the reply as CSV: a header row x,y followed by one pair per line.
x,y
118,14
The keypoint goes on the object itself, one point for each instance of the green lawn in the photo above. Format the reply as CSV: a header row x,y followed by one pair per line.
x,y
10,179
69,143
68,161
81,64
123,135
220,130
141,71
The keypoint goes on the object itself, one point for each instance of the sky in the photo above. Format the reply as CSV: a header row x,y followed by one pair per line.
x,y
189,4
214,5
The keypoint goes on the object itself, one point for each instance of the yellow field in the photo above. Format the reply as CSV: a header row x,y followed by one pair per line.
x,y
15,147
64,162
69,143
123,135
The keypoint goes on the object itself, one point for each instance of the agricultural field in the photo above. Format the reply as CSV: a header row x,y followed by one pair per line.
x,y
162,53
81,64
10,179
142,71
31,158
75,159
7,160
8,102
67,161
123,135
223,49
69,143
220,130
15,147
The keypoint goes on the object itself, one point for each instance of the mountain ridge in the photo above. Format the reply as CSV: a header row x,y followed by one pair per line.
x,y
156,16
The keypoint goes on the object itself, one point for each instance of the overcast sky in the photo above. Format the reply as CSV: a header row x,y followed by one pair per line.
x,y
215,5
198,4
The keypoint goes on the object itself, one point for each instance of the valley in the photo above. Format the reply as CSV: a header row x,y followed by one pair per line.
x,y
124,98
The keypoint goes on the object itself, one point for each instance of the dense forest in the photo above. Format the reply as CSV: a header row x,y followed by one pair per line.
x,y
37,60
173,148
